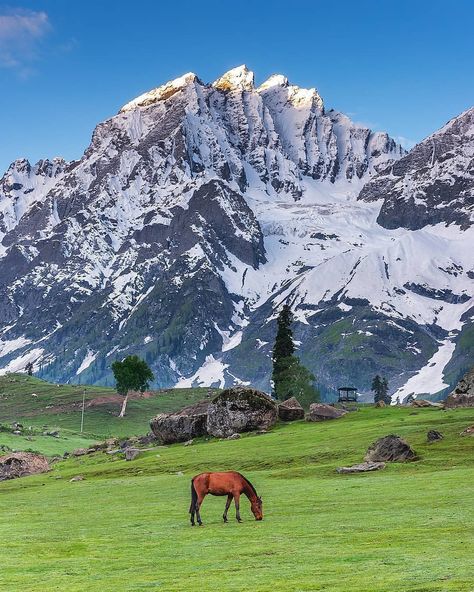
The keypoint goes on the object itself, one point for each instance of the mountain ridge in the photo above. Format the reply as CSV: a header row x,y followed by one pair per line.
x,y
197,210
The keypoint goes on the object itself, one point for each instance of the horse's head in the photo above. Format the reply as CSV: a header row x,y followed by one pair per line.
x,y
257,508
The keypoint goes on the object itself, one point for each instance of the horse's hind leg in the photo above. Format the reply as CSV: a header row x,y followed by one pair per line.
x,y
197,506
227,506
192,511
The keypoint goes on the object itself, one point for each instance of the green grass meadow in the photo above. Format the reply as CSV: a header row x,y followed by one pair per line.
x,y
125,527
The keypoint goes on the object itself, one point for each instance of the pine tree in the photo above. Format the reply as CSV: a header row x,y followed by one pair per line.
x,y
380,389
377,388
284,346
290,377
385,396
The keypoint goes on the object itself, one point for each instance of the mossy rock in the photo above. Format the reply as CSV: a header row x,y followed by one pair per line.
x,y
240,409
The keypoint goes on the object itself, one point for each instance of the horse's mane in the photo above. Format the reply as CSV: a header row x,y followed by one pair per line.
x,y
249,484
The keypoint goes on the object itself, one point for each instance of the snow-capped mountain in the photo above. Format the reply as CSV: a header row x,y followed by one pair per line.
x,y
194,213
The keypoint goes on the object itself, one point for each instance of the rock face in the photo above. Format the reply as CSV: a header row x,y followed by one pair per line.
x,y
362,468
463,394
390,449
181,426
321,412
290,410
433,183
22,464
240,409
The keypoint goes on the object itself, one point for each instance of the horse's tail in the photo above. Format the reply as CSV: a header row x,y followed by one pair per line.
x,y
194,497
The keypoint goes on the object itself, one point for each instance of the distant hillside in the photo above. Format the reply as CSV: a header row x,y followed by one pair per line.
x,y
45,407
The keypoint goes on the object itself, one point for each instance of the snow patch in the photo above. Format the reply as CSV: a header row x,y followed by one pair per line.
x,y
429,380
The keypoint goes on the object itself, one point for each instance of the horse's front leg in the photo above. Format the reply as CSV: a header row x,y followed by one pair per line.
x,y
237,506
227,506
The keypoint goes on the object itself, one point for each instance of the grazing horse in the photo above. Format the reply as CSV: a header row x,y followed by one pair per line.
x,y
229,483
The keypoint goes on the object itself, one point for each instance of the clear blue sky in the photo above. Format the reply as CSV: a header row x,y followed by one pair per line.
x,y
405,66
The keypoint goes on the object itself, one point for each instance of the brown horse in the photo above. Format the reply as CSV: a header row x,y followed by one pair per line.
x,y
229,483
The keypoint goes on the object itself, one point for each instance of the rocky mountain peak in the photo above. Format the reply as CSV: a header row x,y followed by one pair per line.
x,y
240,78
161,93
433,183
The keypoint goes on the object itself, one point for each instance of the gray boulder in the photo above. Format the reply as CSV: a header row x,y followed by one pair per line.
x,y
434,435
390,448
290,410
181,426
321,412
131,453
463,394
240,409
22,464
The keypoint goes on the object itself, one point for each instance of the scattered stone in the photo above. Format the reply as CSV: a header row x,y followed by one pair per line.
x,y
240,409
425,403
362,468
76,478
468,431
180,474
181,426
22,464
146,440
116,451
434,435
380,404
233,437
17,432
53,434
463,394
321,412
390,448
79,452
290,410
189,443
131,453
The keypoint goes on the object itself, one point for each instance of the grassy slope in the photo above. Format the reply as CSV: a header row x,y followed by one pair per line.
x,y
17,404
125,527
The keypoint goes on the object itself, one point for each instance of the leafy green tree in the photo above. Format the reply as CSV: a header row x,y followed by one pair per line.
x,y
290,377
131,374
